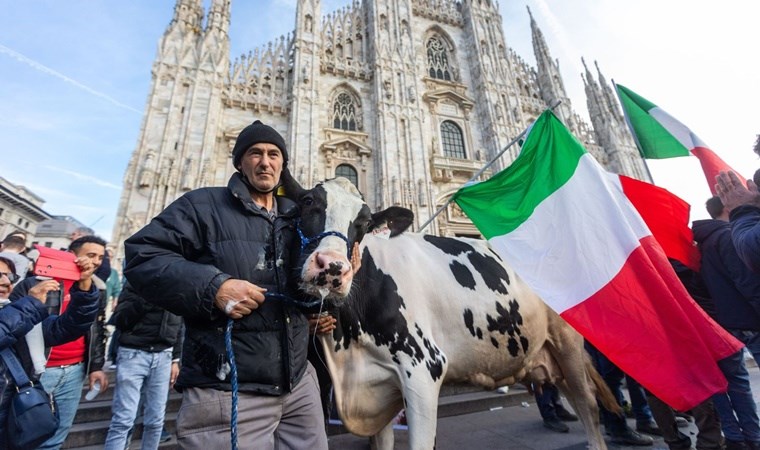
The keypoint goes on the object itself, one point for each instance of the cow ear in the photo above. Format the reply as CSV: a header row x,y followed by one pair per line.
x,y
397,219
292,188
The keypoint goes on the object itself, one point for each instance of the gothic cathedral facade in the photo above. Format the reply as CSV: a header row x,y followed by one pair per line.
x,y
406,98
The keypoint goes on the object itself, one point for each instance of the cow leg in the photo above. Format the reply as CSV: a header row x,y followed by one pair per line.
x,y
577,384
422,413
383,440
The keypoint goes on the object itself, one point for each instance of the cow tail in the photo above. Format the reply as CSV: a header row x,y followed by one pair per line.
x,y
603,392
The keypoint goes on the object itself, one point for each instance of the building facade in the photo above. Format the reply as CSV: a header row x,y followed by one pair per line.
x,y
20,210
406,98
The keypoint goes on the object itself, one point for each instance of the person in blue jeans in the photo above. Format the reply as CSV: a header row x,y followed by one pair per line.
x,y
553,412
147,367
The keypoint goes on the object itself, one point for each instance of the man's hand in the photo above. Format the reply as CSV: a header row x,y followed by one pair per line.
x,y
99,375
238,298
321,324
733,193
41,289
86,269
174,374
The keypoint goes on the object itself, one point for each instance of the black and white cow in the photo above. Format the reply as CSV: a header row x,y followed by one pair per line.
x,y
417,310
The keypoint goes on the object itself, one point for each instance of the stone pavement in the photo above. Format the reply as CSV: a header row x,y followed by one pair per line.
x,y
510,428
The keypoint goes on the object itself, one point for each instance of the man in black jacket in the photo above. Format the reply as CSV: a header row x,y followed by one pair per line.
x,y
212,255
148,355
735,291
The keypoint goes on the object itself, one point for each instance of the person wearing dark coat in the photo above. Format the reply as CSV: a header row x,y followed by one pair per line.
x,y
735,291
211,256
19,316
148,363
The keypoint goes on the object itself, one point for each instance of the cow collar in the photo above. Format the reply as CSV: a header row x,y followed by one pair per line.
x,y
306,241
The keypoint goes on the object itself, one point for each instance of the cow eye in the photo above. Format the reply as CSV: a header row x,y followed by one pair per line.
x,y
308,201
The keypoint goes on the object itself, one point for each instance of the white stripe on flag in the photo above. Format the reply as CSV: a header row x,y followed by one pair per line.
x,y
679,131
585,232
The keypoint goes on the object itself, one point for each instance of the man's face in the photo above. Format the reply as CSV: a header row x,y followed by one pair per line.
x,y
92,251
262,165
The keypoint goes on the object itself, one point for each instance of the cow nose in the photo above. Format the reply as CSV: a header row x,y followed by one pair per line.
x,y
329,269
322,260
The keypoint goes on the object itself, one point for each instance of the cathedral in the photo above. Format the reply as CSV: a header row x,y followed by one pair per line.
x,y
408,99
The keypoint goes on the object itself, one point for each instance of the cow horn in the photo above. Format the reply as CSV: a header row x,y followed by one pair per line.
x,y
293,189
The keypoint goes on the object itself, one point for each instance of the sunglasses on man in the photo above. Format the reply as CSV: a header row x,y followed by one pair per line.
x,y
12,276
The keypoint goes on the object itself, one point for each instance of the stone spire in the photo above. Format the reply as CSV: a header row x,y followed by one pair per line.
x,y
549,77
610,127
187,14
219,16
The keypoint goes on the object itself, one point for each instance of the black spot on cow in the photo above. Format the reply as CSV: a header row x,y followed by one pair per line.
x,y
376,309
494,342
479,333
509,322
462,274
512,346
435,367
468,321
449,246
493,272
408,374
334,269
524,343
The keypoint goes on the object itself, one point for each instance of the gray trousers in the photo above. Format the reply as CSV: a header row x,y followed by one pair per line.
x,y
291,421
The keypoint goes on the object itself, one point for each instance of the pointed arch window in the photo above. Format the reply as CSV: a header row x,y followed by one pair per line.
x,y
438,59
452,140
344,113
347,171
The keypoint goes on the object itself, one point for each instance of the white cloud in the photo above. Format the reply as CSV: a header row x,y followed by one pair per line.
x,y
85,177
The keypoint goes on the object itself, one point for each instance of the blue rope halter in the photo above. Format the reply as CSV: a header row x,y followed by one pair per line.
x,y
305,242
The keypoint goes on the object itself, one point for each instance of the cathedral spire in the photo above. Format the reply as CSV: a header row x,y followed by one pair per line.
x,y
187,14
609,95
219,16
549,77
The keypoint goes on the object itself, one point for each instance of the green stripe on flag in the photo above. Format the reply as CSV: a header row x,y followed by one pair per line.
x,y
654,141
547,161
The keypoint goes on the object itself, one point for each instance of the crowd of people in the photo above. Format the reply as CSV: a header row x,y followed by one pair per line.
x,y
194,314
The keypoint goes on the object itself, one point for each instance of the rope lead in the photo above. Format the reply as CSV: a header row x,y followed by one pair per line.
x,y
233,382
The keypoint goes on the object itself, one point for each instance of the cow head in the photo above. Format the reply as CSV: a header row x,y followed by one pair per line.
x,y
334,219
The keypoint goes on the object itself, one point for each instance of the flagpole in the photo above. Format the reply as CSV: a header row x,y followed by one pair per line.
x,y
633,132
483,169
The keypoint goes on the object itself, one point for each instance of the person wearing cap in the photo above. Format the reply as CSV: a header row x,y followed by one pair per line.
x,y
210,256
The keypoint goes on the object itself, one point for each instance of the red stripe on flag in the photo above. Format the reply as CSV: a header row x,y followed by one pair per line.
x,y
711,165
646,323
667,217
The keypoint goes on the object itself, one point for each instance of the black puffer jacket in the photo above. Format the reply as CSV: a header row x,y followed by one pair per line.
x,y
735,289
144,325
181,258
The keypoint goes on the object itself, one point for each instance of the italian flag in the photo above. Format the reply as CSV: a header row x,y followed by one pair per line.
x,y
569,230
659,135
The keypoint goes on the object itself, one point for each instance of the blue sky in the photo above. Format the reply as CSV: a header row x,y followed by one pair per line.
x,y
75,76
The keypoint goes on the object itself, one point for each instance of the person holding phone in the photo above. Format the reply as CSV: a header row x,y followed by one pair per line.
x,y
68,365
19,316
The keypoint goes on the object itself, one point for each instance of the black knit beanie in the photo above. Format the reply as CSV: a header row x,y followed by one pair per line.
x,y
253,134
